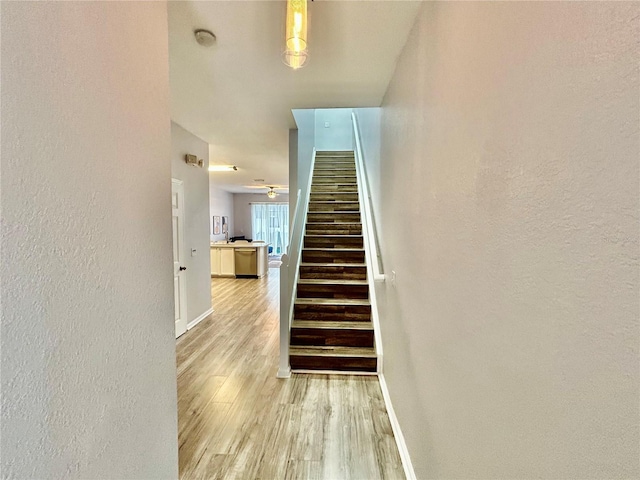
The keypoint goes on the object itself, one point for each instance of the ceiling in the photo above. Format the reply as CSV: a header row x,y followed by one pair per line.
x,y
237,95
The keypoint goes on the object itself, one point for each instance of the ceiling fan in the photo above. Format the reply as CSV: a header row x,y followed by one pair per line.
x,y
271,192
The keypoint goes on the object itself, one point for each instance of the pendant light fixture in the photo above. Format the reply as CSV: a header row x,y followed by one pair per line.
x,y
296,54
271,193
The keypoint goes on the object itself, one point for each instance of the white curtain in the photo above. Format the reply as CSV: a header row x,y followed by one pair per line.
x,y
270,222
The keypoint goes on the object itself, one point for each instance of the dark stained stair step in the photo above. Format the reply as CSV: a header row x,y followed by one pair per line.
x,y
329,217
332,309
321,288
357,359
334,167
339,271
343,179
333,206
334,228
333,241
334,187
334,172
317,333
334,197
333,255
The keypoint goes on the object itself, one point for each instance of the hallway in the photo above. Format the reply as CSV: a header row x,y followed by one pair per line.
x,y
237,420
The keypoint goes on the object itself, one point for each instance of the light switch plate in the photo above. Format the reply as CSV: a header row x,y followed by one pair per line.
x,y
193,252
327,124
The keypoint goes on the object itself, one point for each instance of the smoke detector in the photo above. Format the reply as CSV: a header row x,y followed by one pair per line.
x,y
205,37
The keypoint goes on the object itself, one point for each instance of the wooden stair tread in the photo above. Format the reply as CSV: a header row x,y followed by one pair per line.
x,y
320,281
339,265
329,249
317,224
326,324
334,213
315,235
333,301
332,351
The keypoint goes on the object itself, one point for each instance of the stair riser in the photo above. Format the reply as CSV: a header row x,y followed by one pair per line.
x,y
333,207
332,217
335,171
323,188
333,242
333,291
332,337
334,166
353,364
333,313
331,180
341,156
315,256
333,273
333,229
334,197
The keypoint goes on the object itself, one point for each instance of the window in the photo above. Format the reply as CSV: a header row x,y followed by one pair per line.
x,y
270,222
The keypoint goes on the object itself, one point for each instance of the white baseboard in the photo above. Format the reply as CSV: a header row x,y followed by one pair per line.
x,y
397,432
332,372
199,319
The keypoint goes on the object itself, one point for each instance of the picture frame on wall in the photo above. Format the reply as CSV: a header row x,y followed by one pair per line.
x,y
216,225
225,224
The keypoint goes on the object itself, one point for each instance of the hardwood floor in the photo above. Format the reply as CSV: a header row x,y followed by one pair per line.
x,y
238,421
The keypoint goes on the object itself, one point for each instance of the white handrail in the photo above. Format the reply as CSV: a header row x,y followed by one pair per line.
x,y
366,208
288,277
370,245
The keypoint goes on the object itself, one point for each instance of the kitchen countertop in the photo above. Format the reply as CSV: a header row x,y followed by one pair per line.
x,y
240,244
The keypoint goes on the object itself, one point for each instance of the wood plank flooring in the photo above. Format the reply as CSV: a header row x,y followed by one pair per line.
x,y
238,421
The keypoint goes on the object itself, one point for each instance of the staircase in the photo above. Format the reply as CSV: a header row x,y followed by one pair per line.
x,y
332,328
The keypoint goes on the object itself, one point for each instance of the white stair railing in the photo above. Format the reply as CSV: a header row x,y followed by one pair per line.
x,y
290,270
372,252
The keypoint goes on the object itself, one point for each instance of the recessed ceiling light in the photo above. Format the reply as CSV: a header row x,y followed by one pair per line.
x,y
222,168
205,37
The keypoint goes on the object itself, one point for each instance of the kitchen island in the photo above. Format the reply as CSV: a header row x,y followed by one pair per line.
x,y
239,259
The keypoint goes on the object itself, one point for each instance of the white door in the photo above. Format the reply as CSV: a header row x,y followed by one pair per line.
x,y
179,274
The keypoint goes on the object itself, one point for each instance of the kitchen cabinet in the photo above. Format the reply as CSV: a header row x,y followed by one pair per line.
x,y
222,262
227,262
223,258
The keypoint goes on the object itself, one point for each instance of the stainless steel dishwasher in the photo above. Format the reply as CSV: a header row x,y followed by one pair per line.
x,y
246,262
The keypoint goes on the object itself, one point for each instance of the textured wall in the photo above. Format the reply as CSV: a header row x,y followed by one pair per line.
x,y
197,224
510,200
88,342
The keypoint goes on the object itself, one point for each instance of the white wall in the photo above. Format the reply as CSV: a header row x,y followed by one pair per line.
x,y
87,334
509,198
221,204
197,223
338,135
242,210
